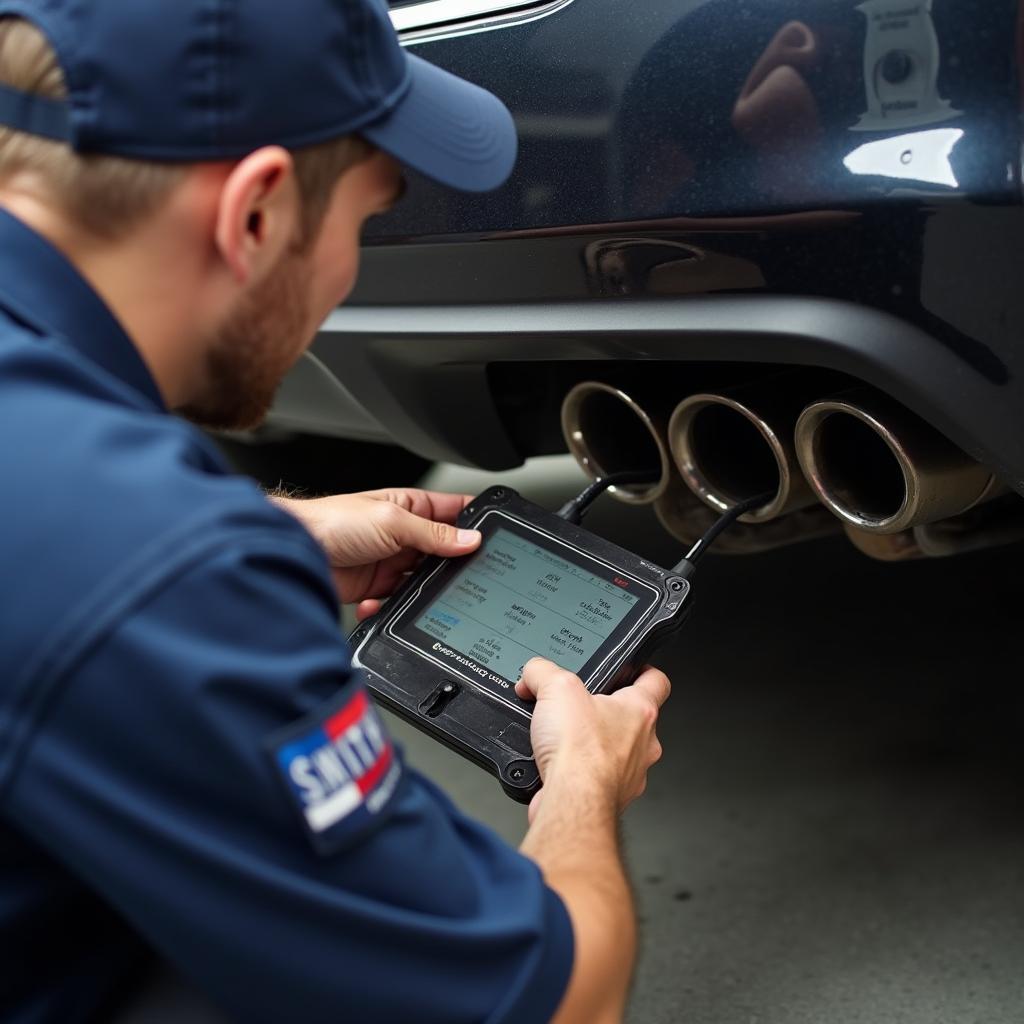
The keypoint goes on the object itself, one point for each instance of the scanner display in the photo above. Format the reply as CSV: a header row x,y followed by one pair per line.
x,y
515,599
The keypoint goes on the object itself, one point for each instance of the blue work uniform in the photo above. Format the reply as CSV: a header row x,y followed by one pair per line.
x,y
189,767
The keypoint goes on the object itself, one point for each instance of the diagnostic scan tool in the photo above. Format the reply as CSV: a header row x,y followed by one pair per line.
x,y
446,651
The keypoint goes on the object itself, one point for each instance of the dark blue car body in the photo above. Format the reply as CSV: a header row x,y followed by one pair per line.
x,y
704,183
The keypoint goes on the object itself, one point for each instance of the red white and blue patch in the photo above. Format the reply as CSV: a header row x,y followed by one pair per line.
x,y
341,770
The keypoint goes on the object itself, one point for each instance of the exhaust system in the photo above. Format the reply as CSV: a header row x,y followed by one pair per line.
x,y
898,487
607,432
731,445
882,469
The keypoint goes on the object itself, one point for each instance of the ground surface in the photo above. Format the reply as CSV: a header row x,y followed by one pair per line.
x,y
836,831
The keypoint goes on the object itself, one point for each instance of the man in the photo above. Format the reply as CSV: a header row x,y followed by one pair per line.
x,y
182,189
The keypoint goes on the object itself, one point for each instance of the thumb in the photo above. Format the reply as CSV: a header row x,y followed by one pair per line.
x,y
430,537
542,677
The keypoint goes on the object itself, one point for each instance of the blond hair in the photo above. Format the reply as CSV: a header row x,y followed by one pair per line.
x,y
109,195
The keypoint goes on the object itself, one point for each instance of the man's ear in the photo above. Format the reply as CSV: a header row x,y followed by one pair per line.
x,y
257,212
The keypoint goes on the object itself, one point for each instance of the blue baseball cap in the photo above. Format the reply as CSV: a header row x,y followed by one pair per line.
x,y
193,80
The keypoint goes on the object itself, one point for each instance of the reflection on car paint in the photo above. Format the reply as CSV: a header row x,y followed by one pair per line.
x,y
901,67
918,156
718,108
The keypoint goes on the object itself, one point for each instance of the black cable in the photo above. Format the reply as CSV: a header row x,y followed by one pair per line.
x,y
688,564
573,510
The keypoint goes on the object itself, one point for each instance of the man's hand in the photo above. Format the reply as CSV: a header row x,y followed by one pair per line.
x,y
608,739
374,538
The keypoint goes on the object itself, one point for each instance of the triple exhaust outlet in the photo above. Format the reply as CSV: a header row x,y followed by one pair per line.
x,y
872,463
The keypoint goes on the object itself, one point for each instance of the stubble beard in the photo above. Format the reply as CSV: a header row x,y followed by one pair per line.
x,y
252,351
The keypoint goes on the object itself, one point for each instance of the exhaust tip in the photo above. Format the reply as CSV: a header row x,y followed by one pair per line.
x,y
881,468
607,432
855,466
726,452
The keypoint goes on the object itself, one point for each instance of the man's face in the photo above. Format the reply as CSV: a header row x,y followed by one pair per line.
x,y
275,321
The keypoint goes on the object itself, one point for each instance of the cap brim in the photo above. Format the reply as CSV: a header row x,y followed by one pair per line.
x,y
448,129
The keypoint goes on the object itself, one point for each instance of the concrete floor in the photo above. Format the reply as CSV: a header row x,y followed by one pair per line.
x,y
836,831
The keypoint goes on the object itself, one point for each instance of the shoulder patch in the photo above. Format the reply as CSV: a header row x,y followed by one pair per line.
x,y
340,770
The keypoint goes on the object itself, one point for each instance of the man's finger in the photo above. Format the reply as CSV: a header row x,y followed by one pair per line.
x,y
526,687
405,561
541,675
366,608
438,505
376,580
447,507
427,535
655,684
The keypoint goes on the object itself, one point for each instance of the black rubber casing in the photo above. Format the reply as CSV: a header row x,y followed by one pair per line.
x,y
448,704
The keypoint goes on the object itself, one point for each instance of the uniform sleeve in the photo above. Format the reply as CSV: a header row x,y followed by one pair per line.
x,y
156,775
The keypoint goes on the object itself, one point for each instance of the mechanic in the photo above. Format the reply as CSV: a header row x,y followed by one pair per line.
x,y
182,189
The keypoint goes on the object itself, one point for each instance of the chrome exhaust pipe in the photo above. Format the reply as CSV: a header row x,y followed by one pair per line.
x,y
881,468
607,431
731,445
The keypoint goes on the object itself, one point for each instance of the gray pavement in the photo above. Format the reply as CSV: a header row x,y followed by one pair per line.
x,y
836,831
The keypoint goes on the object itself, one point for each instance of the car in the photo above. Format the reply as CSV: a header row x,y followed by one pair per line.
x,y
748,247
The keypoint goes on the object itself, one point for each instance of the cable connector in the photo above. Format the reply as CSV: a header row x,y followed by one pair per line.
x,y
575,508
687,565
